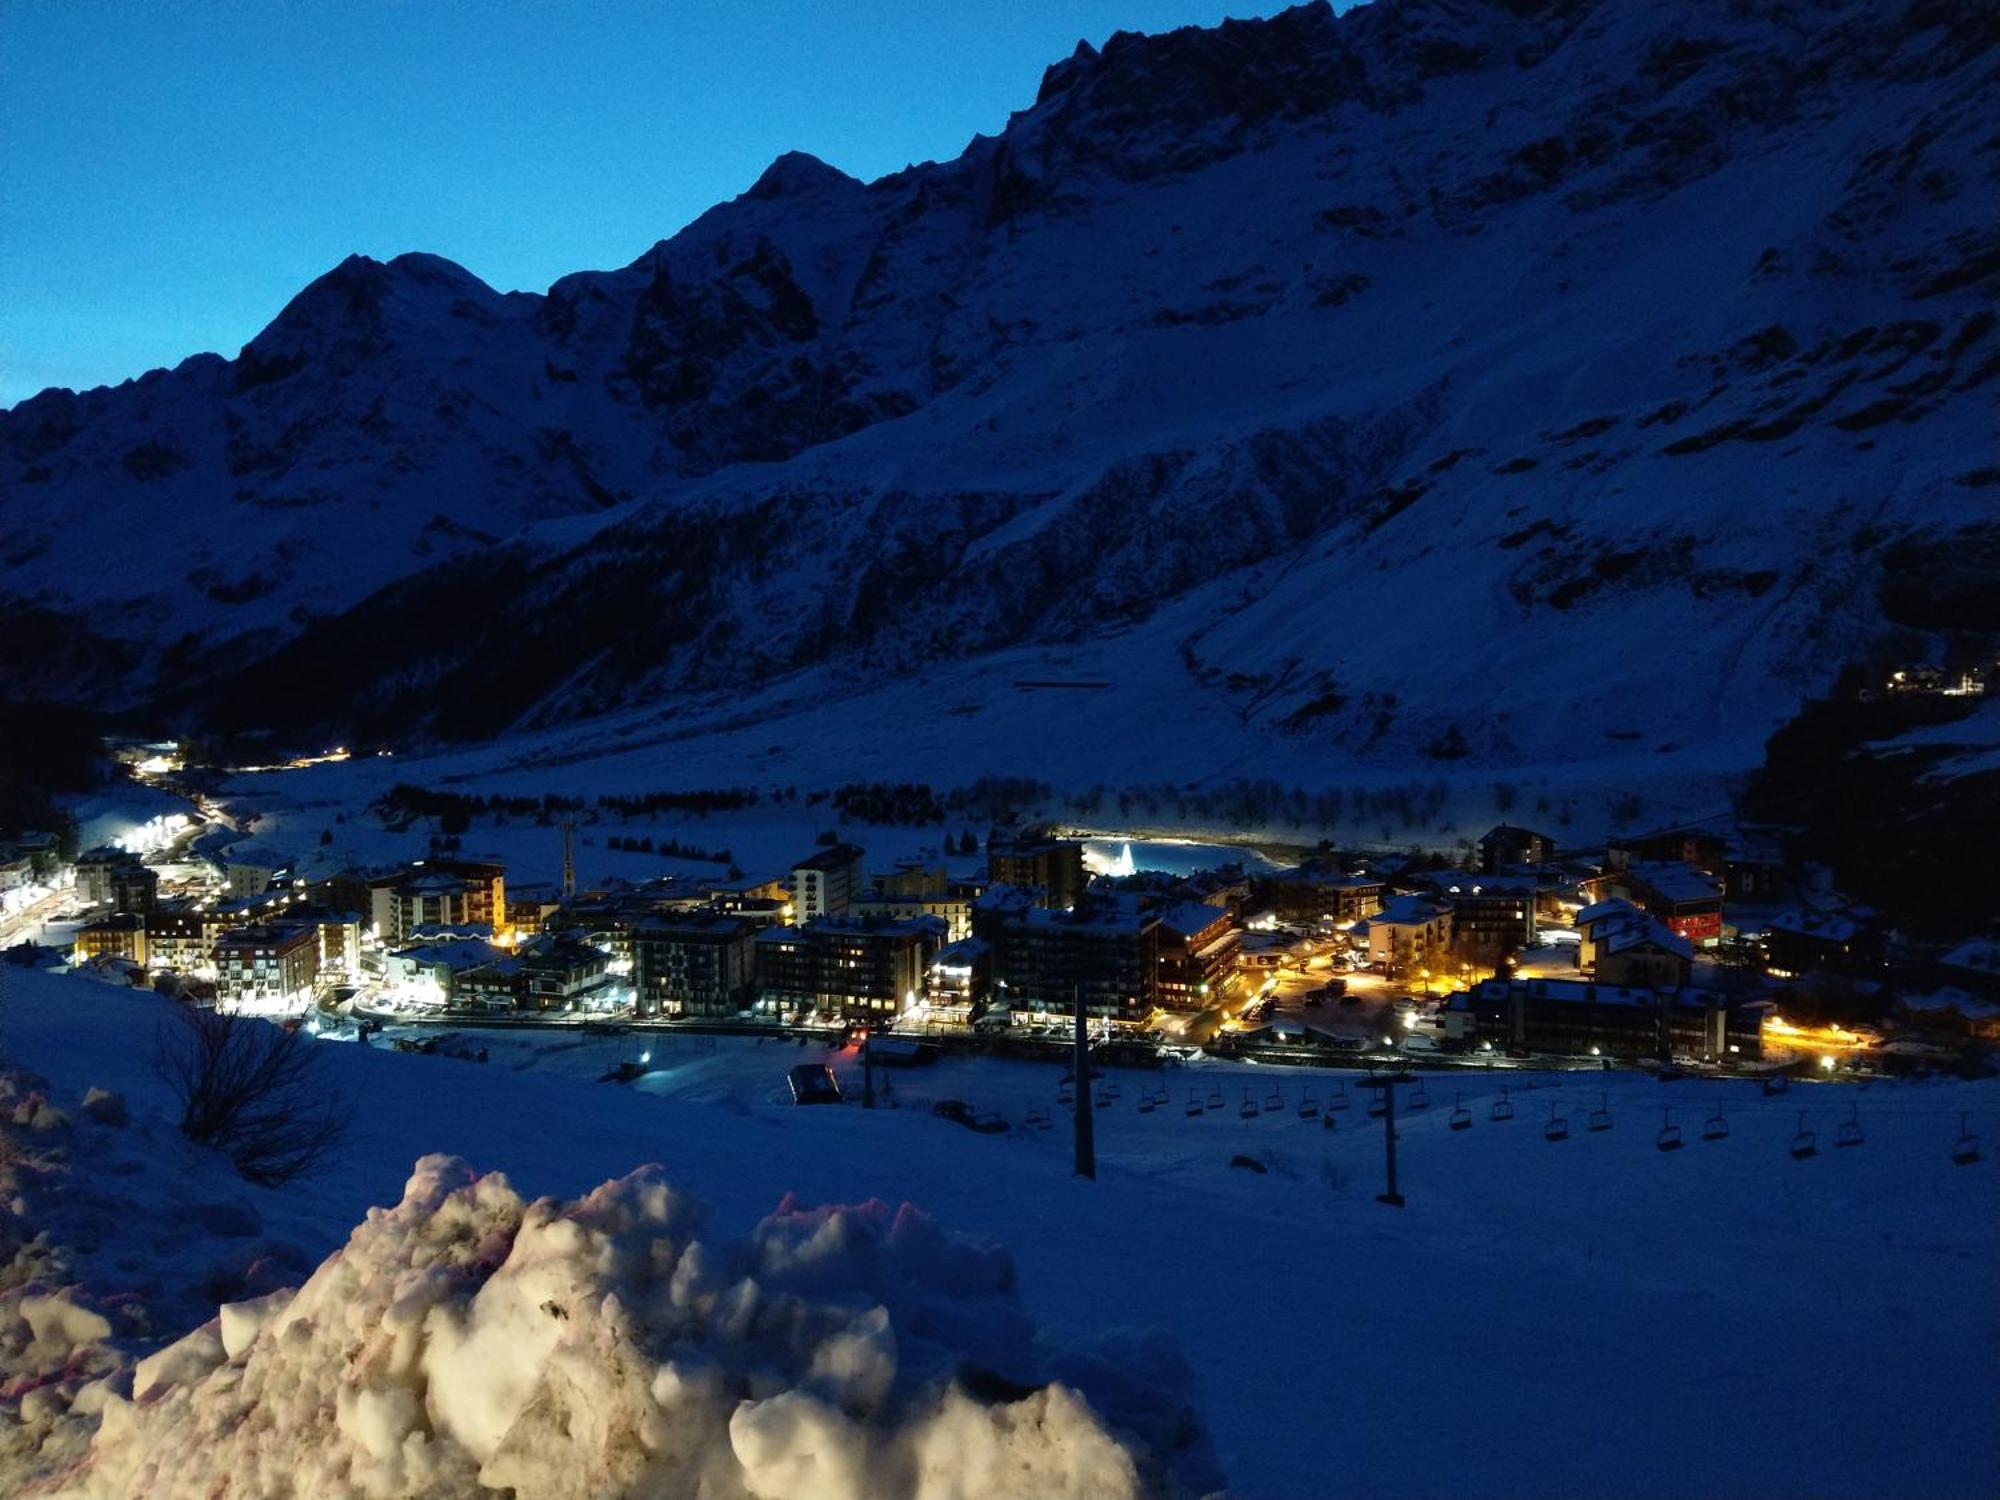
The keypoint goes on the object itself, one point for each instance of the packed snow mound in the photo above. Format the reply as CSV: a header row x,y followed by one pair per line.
x,y
467,1341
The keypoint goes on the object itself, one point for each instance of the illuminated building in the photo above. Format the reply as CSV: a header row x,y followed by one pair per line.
x,y
122,935
1581,1018
847,968
694,964
267,968
825,883
1687,900
1054,867
1106,950
1408,932
1308,895
1198,958
1504,845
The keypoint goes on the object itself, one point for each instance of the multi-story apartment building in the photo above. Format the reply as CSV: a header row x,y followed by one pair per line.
x,y
1105,951
694,964
267,968
825,883
1199,950
846,967
1053,867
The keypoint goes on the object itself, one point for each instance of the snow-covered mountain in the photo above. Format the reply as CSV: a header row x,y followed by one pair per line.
x,y
1471,379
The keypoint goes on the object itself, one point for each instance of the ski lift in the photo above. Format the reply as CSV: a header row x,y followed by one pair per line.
x,y
1105,1096
1964,1150
1670,1134
1461,1117
1558,1127
1804,1142
1848,1133
1193,1104
1503,1108
1328,1122
1715,1128
1215,1096
1379,1105
1308,1103
1774,1085
1147,1104
1418,1099
1065,1092
1038,1116
1600,1117
1276,1102
1339,1099
1248,1109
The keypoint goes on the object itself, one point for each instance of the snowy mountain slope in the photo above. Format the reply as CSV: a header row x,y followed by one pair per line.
x,y
1826,1326
1452,374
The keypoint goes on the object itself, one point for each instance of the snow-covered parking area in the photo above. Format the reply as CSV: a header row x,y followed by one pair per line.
x,y
1591,1316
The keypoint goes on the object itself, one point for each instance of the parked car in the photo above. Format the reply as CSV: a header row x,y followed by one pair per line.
x,y
813,1083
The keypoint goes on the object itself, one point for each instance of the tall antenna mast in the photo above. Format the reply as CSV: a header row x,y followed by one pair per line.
x,y
569,858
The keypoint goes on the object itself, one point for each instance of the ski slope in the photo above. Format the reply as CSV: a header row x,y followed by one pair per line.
x,y
1586,1317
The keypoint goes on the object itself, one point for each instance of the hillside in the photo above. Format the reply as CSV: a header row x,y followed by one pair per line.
x,y
1542,1318
1490,383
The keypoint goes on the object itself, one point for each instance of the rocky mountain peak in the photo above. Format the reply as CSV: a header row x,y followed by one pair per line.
x,y
797,173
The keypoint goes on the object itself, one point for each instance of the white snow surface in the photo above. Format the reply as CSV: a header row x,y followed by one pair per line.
x,y
1558,375
1577,1319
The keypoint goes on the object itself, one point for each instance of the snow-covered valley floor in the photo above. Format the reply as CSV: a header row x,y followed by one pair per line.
x,y
1590,1317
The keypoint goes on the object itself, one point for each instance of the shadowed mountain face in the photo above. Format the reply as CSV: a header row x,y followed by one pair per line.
x,y
1450,373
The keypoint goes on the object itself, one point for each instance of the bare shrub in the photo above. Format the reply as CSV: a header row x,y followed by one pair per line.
x,y
253,1091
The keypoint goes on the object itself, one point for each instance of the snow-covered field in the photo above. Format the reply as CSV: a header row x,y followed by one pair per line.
x,y
1587,1317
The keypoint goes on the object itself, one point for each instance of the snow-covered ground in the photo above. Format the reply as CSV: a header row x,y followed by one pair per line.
x,y
1587,1317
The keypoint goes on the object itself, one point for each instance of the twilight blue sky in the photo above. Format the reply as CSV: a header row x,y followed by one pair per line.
x,y
175,170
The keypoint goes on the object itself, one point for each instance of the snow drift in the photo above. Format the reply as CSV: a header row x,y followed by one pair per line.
x,y
467,1340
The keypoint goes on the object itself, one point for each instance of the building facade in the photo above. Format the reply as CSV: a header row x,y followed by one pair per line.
x,y
267,968
1107,952
825,883
844,968
1054,867
1200,946
697,964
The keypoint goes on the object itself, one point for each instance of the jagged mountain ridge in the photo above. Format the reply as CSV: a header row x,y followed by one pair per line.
x,y
1595,350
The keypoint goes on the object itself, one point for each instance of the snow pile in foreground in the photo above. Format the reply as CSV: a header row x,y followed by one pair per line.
x,y
466,1340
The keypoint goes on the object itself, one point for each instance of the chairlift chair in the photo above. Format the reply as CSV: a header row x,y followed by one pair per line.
x,y
1276,1102
1339,1099
1105,1096
1804,1142
1773,1085
1419,1099
1964,1150
1065,1092
1715,1128
1248,1109
1558,1127
1193,1104
1308,1103
1038,1116
1215,1096
1848,1132
1379,1105
1328,1122
1600,1117
1503,1108
1147,1104
1461,1117
1109,1091
1670,1134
